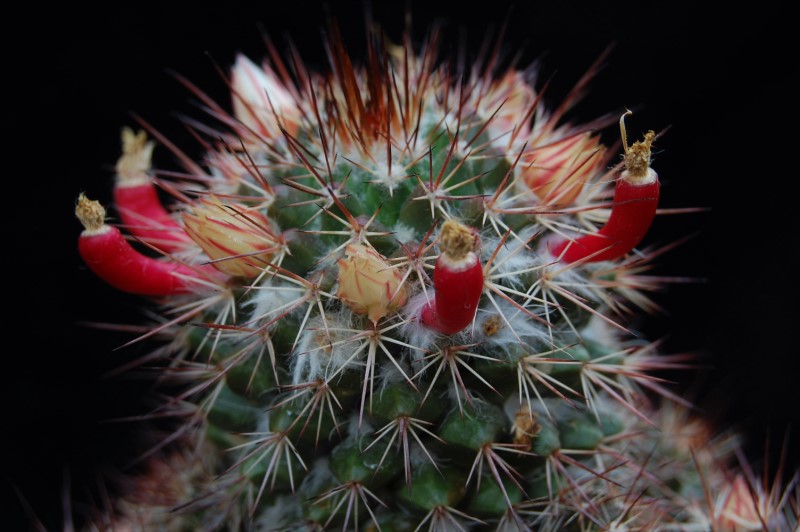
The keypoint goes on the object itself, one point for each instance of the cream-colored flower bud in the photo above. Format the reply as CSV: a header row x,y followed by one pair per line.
x,y
367,284
557,172
240,240
260,100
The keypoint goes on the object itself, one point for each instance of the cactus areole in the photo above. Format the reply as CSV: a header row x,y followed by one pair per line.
x,y
394,297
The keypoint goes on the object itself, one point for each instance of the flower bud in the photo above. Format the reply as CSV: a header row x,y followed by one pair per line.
x,y
367,284
557,172
239,239
260,101
508,103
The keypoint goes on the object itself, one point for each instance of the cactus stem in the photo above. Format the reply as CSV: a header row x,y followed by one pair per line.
x,y
438,190
634,207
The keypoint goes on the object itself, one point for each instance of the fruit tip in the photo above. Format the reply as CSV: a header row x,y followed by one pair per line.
x,y
457,240
136,160
636,156
91,214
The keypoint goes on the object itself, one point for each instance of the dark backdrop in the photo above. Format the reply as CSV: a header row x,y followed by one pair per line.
x,y
719,81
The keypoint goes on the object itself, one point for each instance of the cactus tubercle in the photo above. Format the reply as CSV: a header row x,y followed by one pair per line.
x,y
458,279
635,202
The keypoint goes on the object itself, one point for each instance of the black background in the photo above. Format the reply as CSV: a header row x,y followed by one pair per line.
x,y
719,81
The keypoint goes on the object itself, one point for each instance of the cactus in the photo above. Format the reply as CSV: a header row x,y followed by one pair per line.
x,y
395,297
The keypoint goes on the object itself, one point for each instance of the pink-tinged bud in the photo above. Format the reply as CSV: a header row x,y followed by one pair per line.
x,y
510,101
241,241
367,284
557,172
260,101
738,510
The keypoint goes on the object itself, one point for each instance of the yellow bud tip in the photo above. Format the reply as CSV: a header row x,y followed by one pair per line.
x,y
133,141
91,214
457,240
637,156
137,154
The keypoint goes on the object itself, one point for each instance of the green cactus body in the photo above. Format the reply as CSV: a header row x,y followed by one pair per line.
x,y
317,228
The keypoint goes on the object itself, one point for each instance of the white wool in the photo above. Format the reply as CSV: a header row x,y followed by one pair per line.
x,y
515,326
271,295
389,374
389,177
513,257
322,351
404,233
418,457
305,367
511,406
328,261
432,120
413,331
263,422
573,277
357,427
283,510
600,331
456,394
450,121
318,478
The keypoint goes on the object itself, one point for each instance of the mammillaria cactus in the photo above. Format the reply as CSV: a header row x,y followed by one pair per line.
x,y
396,297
